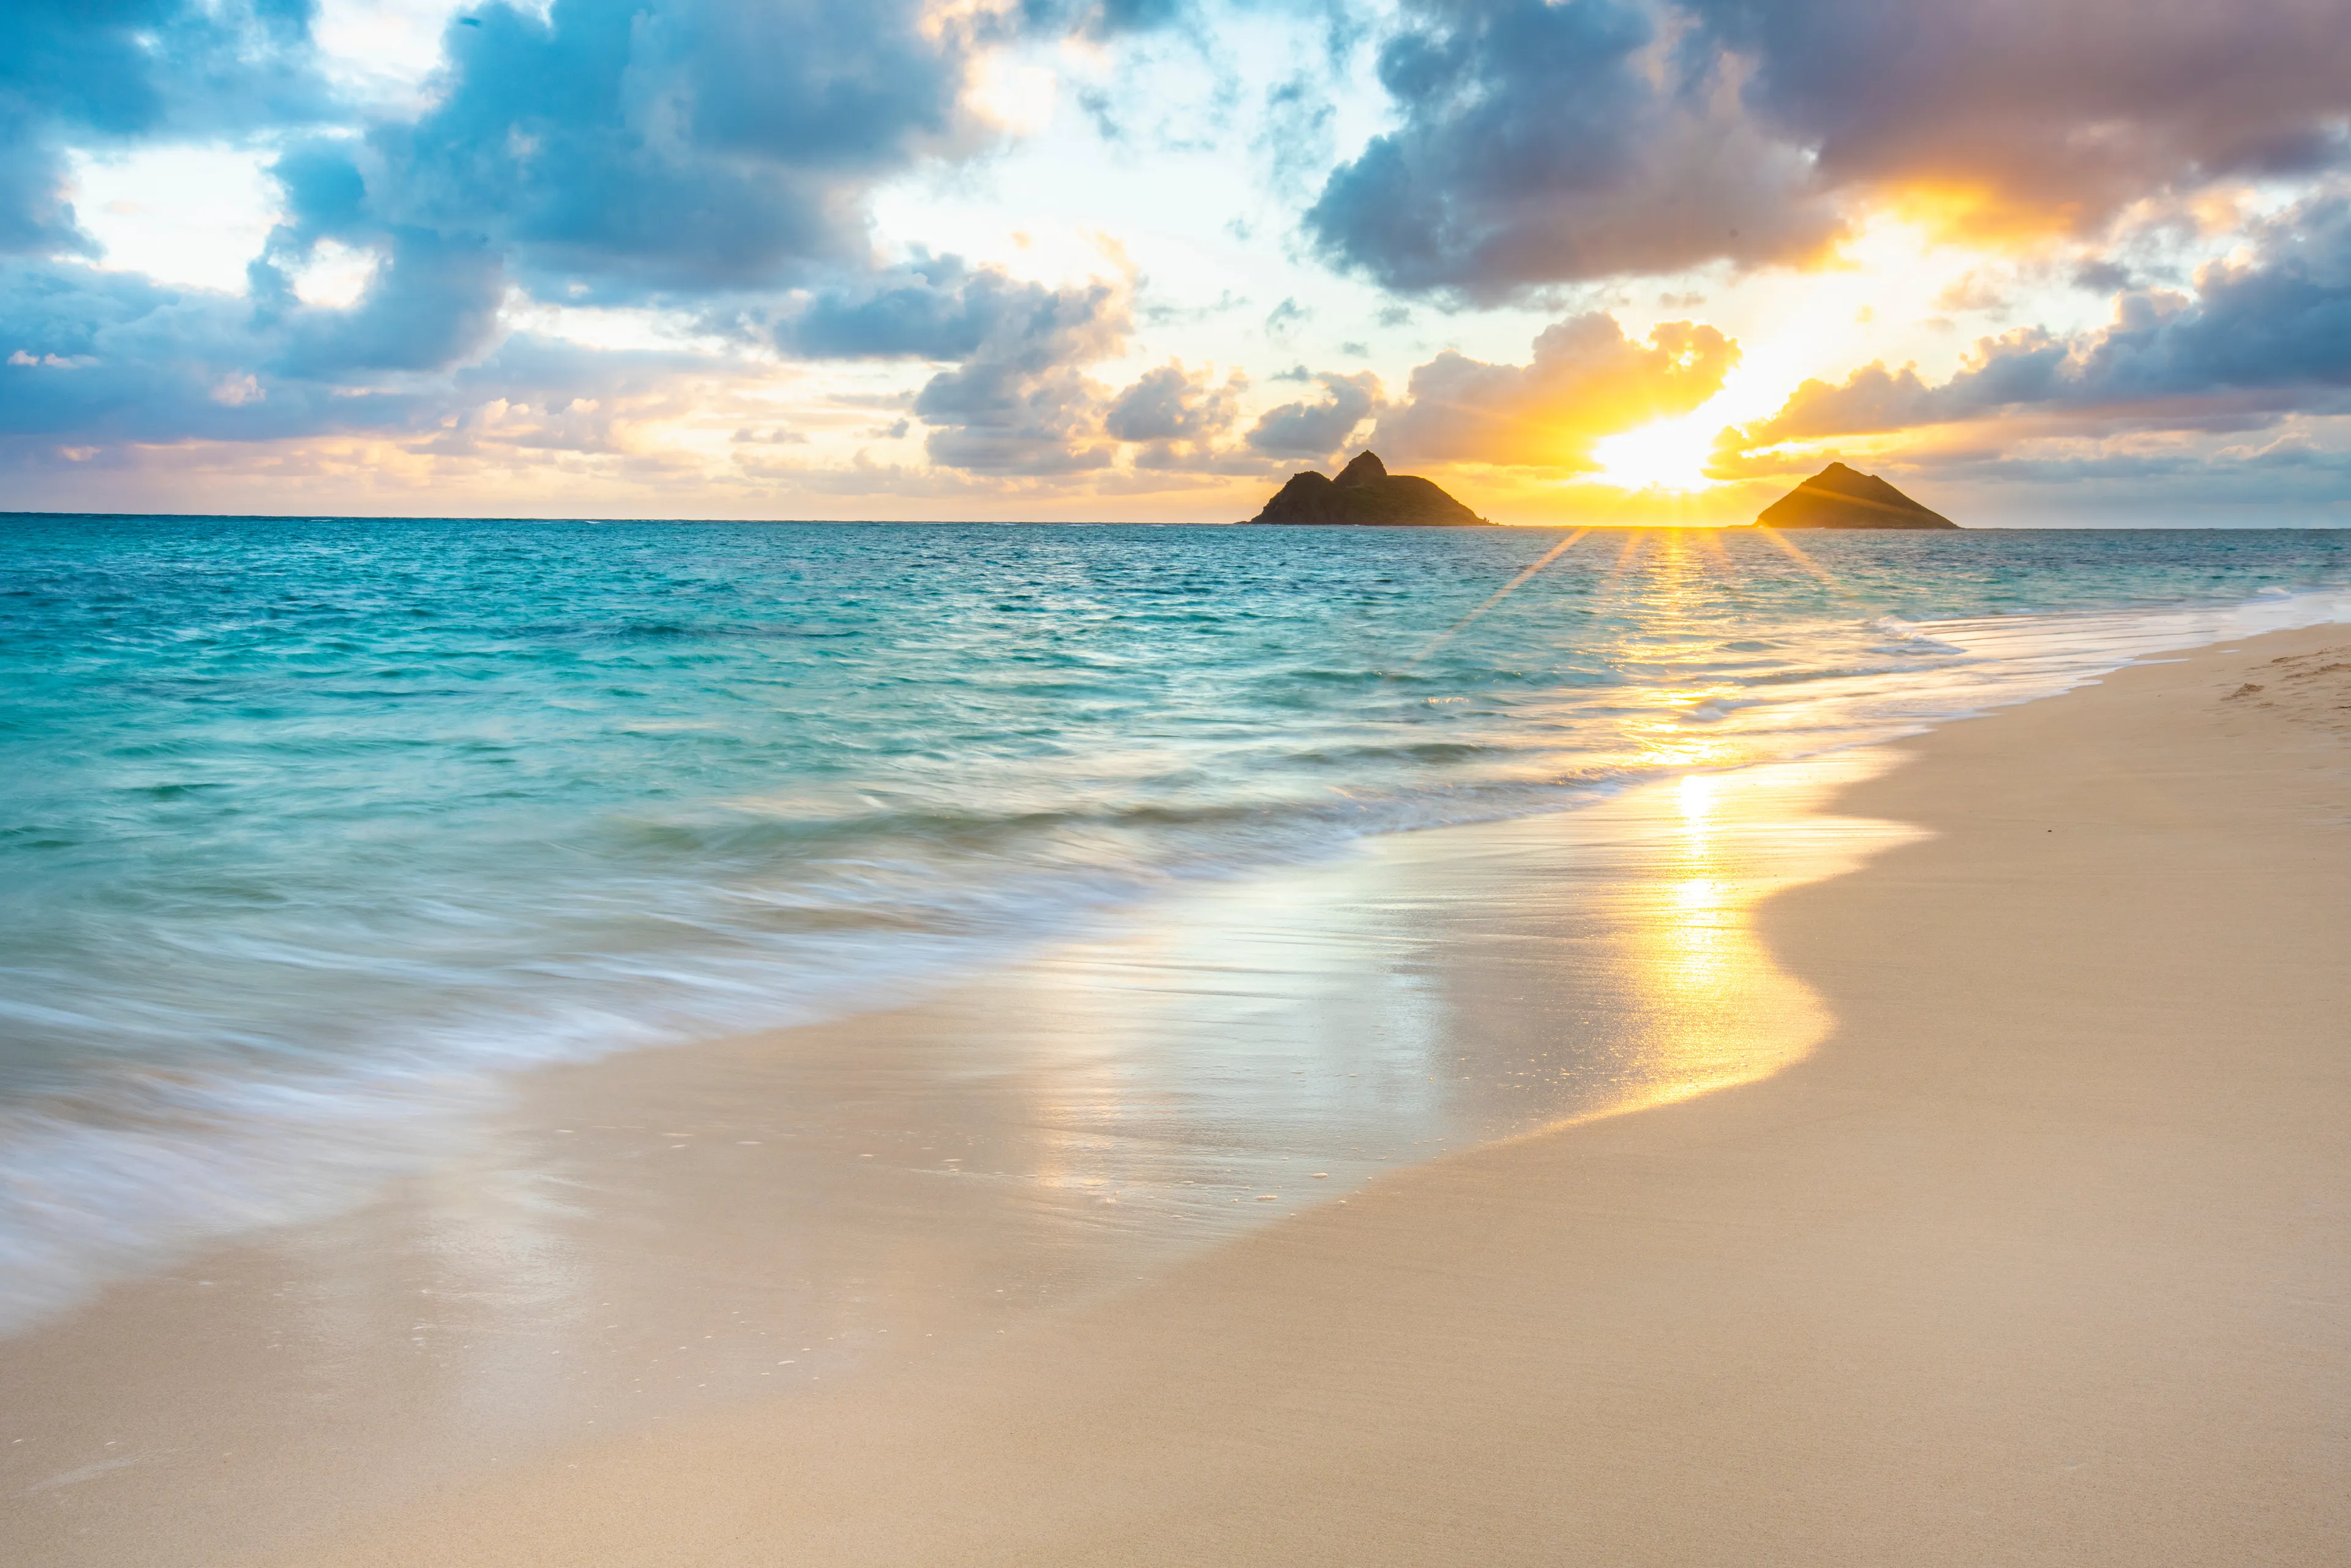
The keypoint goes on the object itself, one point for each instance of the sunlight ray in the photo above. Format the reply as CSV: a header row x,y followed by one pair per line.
x,y
1801,558
1495,597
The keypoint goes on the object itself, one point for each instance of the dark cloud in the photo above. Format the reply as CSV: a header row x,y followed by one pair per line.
x,y
694,146
2102,276
35,215
1547,142
433,303
1103,18
1544,144
1318,427
1585,380
702,152
2258,337
2059,112
2280,320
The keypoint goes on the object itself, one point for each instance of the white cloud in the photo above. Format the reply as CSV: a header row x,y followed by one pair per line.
x,y
189,216
383,50
336,274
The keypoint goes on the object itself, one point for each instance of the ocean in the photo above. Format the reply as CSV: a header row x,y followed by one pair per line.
x,y
312,829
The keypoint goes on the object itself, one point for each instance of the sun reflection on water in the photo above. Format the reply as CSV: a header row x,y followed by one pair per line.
x,y
1723,1010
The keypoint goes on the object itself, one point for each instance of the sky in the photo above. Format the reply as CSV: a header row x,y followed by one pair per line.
x,y
2038,262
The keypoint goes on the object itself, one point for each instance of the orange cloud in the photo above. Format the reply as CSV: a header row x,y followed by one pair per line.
x,y
1585,379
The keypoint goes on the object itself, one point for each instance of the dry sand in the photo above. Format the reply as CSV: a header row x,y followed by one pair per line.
x,y
2043,1256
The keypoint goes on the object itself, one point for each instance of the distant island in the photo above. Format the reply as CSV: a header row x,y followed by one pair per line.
x,y
1366,493
1839,497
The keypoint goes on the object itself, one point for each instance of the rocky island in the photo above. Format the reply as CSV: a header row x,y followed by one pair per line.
x,y
1366,493
1839,497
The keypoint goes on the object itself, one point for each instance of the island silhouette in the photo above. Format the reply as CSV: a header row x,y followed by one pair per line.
x,y
1366,493
1841,497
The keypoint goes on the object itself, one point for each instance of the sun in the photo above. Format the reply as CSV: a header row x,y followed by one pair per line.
x,y
1670,454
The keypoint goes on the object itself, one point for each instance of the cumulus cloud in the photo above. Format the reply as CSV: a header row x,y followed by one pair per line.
x,y
1020,403
711,163
1172,403
2260,337
1543,143
1317,427
109,75
682,148
1585,380
1179,418
112,361
2051,114
1549,143
600,151
713,155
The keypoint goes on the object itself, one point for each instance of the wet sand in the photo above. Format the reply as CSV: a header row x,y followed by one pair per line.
x,y
635,1248
2040,1257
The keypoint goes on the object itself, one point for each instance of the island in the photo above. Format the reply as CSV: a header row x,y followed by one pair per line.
x,y
1840,497
1366,493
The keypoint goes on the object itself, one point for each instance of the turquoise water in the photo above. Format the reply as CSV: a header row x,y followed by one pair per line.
x,y
310,828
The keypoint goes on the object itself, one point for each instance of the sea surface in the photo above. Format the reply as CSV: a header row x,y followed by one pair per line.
x,y
310,829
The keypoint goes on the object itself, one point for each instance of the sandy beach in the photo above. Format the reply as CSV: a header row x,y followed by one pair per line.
x,y
1175,784
2017,1235
2039,1259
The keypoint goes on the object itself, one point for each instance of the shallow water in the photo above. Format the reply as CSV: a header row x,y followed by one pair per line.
x,y
308,828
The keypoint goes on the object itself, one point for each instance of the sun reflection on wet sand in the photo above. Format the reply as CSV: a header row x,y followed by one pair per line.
x,y
1725,1013
661,1232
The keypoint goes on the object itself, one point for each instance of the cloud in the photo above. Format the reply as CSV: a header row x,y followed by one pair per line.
x,y
709,154
1020,403
682,149
1282,322
935,307
432,304
1545,142
1585,380
104,76
1542,144
1318,427
2051,116
1171,403
110,359
1295,135
2258,337
1178,416
108,356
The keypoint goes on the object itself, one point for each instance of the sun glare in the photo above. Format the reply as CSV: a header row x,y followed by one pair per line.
x,y
1670,454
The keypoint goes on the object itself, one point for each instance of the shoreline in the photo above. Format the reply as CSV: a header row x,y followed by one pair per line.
x,y
2038,1258
656,1238
205,1159
998,1368
174,1159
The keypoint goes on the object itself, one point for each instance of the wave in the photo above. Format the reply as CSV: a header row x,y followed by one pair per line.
x,y
355,1044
